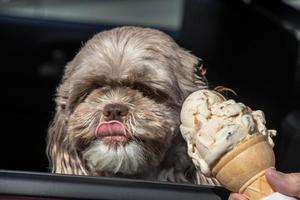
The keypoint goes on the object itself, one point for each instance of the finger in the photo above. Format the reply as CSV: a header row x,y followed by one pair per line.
x,y
236,196
288,184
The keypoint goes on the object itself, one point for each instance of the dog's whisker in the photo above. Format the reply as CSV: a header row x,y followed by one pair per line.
x,y
137,139
131,124
131,105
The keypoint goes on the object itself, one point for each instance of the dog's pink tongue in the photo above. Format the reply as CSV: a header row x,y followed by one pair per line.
x,y
110,128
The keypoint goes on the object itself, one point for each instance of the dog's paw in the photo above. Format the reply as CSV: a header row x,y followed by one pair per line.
x,y
171,175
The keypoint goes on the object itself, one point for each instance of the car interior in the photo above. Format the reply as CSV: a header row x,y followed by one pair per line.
x,y
249,46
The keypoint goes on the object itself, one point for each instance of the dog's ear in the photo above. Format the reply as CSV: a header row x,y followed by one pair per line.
x,y
62,156
190,73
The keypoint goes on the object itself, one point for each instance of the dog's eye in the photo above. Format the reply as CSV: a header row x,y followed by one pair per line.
x,y
79,93
146,91
75,99
152,93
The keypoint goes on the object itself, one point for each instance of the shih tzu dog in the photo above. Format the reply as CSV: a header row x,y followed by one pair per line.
x,y
118,108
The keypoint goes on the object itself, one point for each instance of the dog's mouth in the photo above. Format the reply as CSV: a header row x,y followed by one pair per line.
x,y
112,132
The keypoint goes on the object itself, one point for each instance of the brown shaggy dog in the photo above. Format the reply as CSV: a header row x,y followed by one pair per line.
x,y
118,108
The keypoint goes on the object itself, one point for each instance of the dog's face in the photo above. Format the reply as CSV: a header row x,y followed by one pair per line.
x,y
119,102
123,128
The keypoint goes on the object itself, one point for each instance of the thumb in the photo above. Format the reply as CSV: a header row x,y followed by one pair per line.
x,y
288,184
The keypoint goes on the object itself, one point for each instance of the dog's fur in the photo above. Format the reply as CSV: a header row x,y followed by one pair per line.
x,y
143,69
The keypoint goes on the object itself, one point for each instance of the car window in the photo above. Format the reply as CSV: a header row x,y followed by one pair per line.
x,y
166,14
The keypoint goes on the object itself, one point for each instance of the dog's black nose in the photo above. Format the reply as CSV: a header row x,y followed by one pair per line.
x,y
115,112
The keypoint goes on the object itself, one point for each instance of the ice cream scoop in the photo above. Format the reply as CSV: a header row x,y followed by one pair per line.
x,y
218,131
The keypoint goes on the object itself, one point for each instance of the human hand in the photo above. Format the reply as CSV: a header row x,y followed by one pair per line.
x,y
287,184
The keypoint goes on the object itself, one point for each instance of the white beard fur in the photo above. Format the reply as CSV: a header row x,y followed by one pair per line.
x,y
127,159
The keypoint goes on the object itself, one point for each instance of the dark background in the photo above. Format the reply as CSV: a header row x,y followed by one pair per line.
x,y
249,46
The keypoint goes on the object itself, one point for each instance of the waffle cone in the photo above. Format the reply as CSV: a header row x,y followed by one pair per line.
x,y
242,169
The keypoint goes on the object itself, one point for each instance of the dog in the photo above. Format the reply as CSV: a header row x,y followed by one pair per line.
x,y
118,106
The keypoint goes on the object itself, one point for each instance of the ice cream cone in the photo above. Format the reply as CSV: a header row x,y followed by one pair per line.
x,y
242,169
